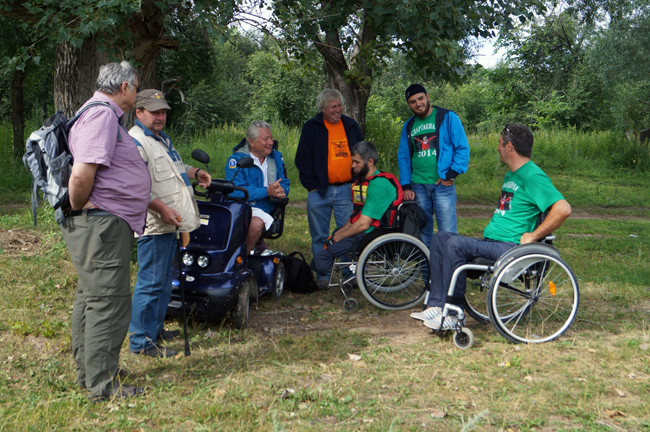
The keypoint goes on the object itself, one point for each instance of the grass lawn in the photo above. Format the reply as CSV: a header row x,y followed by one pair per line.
x,y
292,369
305,364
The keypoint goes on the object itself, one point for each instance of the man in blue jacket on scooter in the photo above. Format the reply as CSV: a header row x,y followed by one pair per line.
x,y
267,178
433,151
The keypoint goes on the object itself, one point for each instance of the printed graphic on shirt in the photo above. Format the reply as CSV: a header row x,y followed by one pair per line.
x,y
360,193
424,138
504,202
232,163
340,149
424,145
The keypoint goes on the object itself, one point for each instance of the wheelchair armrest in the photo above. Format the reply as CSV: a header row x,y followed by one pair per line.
x,y
279,201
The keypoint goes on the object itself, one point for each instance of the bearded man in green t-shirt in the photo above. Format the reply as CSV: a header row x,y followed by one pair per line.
x,y
373,194
526,192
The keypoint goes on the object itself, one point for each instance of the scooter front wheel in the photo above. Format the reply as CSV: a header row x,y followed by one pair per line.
x,y
242,308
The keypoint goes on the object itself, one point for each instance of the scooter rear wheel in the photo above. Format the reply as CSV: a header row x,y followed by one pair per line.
x,y
280,276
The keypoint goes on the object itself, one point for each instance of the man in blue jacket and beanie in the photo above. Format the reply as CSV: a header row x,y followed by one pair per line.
x,y
267,178
433,151
324,160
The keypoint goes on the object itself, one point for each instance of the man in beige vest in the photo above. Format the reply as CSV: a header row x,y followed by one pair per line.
x,y
171,206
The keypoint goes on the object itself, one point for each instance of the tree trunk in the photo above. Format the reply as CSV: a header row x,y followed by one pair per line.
x,y
148,31
75,75
355,90
356,97
17,113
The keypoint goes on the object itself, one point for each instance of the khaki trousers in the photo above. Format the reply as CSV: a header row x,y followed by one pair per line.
x,y
100,248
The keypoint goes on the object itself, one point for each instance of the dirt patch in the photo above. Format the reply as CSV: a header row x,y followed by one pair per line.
x,y
20,241
322,312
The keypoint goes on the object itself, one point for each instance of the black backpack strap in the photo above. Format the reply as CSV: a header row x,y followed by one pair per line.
x,y
409,127
94,104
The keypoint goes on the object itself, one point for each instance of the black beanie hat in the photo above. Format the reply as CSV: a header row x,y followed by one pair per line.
x,y
413,90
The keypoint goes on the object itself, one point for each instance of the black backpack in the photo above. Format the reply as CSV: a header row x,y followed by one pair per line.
x,y
413,219
48,158
300,279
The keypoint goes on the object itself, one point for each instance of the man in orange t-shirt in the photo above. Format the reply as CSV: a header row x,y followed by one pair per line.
x,y
324,161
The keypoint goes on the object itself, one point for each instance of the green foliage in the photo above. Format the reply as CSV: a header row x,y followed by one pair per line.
x,y
282,89
16,180
384,131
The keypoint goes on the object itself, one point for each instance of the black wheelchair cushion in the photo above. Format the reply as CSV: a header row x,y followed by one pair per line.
x,y
482,261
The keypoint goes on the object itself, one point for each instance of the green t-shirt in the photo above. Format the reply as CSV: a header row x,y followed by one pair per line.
x,y
424,163
379,196
525,194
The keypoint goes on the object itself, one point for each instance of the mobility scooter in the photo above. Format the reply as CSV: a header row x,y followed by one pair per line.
x,y
218,277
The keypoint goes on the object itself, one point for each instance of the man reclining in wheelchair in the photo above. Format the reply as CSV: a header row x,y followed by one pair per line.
x,y
376,196
266,180
525,194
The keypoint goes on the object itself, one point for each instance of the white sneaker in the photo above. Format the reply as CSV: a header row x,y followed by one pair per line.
x,y
450,323
430,313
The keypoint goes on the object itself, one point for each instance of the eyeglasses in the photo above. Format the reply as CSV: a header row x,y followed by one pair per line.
x,y
138,89
507,129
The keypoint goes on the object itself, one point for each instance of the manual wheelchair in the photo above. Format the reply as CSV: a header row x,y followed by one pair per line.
x,y
389,265
532,295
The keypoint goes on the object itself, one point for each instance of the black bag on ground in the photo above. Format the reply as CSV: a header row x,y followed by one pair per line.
x,y
300,279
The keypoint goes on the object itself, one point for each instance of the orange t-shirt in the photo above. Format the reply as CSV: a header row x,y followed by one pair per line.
x,y
339,159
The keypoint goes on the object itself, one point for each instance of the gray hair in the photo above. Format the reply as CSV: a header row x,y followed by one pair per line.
x,y
112,75
366,150
326,96
252,132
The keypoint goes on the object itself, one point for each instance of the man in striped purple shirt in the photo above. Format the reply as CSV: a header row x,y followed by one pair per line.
x,y
109,193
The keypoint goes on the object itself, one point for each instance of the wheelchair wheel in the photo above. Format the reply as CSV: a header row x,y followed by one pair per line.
x,y
278,287
392,271
464,339
533,299
350,305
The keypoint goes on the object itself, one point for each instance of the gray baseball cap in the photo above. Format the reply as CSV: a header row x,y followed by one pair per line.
x,y
151,100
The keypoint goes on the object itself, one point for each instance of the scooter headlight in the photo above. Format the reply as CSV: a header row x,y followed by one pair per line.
x,y
188,259
203,261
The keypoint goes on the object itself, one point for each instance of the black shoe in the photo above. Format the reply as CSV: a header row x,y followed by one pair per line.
x,y
157,351
169,335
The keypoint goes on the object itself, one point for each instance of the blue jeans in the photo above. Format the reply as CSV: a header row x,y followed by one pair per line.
x,y
153,290
323,260
338,199
448,252
439,200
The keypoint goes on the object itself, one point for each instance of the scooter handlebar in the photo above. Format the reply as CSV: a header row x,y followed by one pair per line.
x,y
223,186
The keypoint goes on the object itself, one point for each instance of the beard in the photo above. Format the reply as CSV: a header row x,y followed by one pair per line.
x,y
363,171
426,111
